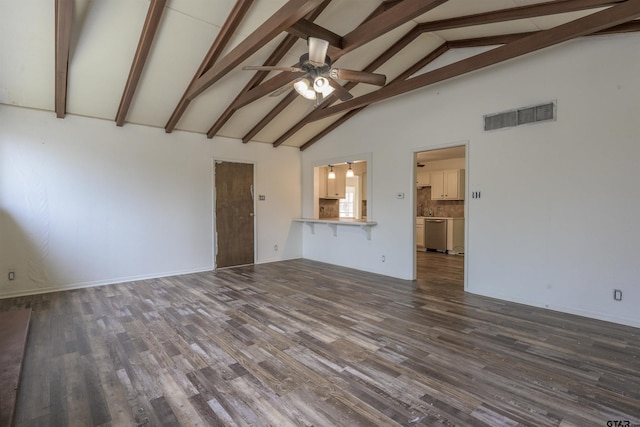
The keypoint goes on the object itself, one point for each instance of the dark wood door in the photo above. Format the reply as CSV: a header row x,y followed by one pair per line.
x,y
234,214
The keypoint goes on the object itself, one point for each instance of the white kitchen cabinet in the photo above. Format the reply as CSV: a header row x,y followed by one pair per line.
x,y
423,177
447,184
333,188
322,181
455,236
420,233
437,185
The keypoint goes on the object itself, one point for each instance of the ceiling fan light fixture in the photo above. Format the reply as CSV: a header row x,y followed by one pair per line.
x,y
304,88
321,85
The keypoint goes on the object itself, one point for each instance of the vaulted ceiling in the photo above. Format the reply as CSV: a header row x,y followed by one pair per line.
x,y
178,64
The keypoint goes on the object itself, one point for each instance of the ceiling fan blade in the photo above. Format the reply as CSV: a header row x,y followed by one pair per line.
x,y
359,76
339,91
270,68
317,50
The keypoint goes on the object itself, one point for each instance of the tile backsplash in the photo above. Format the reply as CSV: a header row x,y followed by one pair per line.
x,y
329,208
448,208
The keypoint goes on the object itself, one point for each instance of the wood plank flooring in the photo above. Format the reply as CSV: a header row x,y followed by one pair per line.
x,y
14,328
300,343
440,269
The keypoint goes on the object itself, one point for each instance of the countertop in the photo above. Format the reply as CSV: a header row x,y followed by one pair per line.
x,y
333,223
438,217
348,221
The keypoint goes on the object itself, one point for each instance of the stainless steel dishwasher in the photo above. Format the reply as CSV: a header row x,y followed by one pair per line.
x,y
435,234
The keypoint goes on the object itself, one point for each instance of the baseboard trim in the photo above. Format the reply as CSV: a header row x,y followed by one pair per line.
x,y
563,309
93,284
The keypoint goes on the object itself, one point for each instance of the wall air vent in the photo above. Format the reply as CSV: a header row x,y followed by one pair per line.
x,y
520,116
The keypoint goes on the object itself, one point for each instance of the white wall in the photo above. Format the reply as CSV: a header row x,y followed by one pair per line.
x,y
83,202
557,224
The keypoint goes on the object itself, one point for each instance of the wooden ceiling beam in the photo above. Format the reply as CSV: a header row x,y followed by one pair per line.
x,y
487,41
149,31
286,16
229,27
628,27
520,12
64,15
285,45
374,65
595,22
432,56
387,4
305,28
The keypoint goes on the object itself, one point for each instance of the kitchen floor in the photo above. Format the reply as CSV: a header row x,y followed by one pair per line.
x,y
440,269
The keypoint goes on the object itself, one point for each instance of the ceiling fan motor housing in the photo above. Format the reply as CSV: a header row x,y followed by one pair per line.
x,y
313,68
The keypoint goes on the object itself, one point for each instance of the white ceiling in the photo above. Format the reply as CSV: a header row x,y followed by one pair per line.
x,y
105,35
441,154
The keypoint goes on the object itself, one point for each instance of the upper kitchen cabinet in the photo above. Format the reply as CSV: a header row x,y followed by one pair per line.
x,y
447,184
333,188
423,177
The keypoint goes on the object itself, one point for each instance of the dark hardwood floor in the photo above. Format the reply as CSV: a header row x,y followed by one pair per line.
x,y
440,269
302,343
14,328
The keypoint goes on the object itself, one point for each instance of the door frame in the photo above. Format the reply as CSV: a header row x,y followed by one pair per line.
x,y
214,231
413,202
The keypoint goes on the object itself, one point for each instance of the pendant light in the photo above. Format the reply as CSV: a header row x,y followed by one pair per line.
x,y
332,174
349,171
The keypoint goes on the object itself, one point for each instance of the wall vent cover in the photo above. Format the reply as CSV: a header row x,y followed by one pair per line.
x,y
520,116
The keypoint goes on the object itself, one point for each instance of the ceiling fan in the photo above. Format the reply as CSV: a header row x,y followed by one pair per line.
x,y
319,80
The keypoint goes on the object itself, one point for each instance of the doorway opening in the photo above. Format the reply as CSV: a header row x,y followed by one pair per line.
x,y
234,214
440,192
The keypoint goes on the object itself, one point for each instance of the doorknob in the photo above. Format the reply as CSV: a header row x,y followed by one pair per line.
x,y
251,214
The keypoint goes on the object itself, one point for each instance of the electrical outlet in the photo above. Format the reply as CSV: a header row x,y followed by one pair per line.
x,y
617,294
275,248
383,258
12,275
